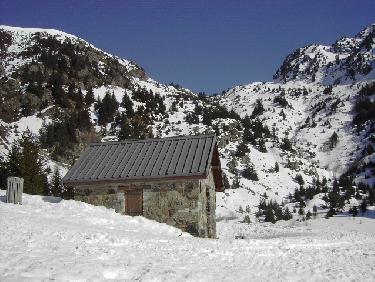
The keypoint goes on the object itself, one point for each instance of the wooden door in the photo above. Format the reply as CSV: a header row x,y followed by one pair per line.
x,y
134,202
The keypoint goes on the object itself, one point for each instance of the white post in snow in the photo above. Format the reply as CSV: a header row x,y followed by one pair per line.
x,y
14,191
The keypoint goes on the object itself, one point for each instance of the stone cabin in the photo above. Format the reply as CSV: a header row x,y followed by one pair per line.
x,y
172,180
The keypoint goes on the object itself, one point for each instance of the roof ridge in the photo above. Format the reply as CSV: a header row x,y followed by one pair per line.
x,y
153,139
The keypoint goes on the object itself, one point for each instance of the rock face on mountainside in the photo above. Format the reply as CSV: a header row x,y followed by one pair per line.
x,y
310,125
345,61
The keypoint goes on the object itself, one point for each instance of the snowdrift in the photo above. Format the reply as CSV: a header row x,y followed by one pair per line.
x,y
47,238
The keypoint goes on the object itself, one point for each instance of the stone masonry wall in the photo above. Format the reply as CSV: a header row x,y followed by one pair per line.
x,y
101,195
210,213
177,204
180,203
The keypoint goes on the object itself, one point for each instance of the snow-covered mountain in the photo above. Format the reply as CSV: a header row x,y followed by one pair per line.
x,y
314,96
345,61
301,124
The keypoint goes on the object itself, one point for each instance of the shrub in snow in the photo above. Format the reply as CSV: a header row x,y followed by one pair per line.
x,y
332,142
236,182
269,216
56,183
301,211
281,101
299,179
308,215
287,214
331,212
250,173
286,145
247,209
258,109
276,169
240,209
232,166
242,150
226,181
246,219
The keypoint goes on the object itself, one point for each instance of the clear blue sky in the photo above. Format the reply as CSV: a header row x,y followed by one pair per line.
x,y
203,45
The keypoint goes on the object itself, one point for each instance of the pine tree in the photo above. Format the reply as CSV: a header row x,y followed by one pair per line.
x,y
354,211
262,145
226,181
364,206
299,179
232,166
89,97
308,215
247,209
127,104
246,219
249,172
240,209
60,96
286,145
32,166
71,91
140,124
270,217
236,182
301,211
107,109
83,120
333,140
79,100
258,109
278,211
125,130
56,183
282,114
23,160
287,215
331,212
242,150
13,162
276,167
3,172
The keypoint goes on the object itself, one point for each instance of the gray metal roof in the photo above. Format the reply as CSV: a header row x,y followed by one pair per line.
x,y
181,156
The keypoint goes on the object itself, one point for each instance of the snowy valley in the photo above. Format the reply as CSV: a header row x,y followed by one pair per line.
x,y
49,238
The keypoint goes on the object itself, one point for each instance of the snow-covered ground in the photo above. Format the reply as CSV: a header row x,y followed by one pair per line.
x,y
51,239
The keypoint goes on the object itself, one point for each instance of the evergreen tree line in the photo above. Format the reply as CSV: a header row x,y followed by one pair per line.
x,y
281,101
364,107
254,133
342,190
249,172
130,123
272,211
210,113
24,160
60,136
154,103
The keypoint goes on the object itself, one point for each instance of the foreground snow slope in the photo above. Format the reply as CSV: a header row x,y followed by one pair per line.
x,y
48,239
